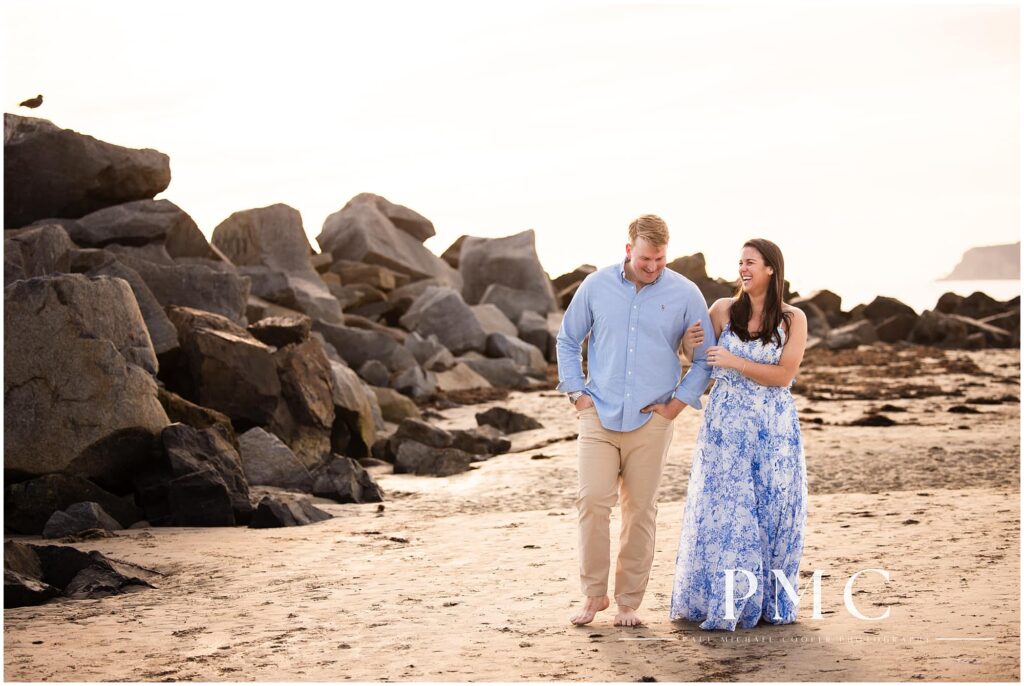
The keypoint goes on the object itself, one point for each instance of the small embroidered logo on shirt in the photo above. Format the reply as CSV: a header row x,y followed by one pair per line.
x,y
662,308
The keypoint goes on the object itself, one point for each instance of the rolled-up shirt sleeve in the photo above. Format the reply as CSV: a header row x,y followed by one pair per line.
x,y
576,324
695,381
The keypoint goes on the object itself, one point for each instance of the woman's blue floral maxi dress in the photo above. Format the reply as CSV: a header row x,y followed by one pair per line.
x,y
746,503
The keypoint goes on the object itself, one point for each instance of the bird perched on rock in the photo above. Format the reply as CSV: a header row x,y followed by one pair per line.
x,y
32,103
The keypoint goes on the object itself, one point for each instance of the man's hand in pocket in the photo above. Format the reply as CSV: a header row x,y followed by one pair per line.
x,y
583,402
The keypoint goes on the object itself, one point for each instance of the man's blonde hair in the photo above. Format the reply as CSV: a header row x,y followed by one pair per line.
x,y
650,227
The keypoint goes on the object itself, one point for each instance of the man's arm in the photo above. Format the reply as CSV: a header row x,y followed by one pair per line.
x,y
576,324
694,383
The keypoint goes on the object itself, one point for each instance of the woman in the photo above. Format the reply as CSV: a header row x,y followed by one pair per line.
x,y
747,498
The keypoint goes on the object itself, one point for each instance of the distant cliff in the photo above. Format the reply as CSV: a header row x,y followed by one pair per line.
x,y
989,262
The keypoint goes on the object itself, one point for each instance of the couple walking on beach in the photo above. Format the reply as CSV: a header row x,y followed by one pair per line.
x,y
746,505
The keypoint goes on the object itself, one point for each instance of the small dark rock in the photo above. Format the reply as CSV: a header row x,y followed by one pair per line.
x,y
419,430
277,511
873,420
413,457
483,440
507,421
21,591
77,518
345,481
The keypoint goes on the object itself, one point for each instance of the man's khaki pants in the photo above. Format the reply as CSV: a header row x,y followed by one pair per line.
x,y
614,464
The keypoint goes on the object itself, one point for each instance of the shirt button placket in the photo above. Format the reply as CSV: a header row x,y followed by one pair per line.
x,y
634,321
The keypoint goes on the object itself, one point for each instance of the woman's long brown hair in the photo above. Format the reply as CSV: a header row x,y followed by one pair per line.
x,y
773,316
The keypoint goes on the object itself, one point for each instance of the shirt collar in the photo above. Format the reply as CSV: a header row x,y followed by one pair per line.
x,y
622,274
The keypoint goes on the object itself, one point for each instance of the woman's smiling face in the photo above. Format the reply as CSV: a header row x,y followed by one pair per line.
x,y
755,275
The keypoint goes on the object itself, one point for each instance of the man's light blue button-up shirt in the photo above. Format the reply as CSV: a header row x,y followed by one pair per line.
x,y
632,354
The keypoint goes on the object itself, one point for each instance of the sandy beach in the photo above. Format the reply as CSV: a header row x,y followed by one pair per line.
x,y
473,577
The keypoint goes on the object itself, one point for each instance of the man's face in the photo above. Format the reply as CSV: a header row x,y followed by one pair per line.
x,y
648,261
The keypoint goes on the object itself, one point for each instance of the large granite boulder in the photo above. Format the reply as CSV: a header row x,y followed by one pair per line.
x,y
306,417
576,276
79,395
442,312
514,302
200,498
567,284
371,230
162,333
307,382
357,346
268,461
179,409
817,320
140,223
197,286
693,267
36,251
979,305
461,377
527,356
896,328
226,368
533,328
23,572
493,320
936,328
269,284
192,452
273,237
883,307
948,302
402,298
35,573
55,172
510,261
156,252
829,303
353,407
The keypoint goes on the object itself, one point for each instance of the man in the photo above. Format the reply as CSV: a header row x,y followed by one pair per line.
x,y
635,312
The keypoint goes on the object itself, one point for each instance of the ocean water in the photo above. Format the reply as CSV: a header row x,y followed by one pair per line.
x,y
919,295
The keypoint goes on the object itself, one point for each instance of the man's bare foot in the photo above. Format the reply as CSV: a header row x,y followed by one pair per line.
x,y
591,606
627,617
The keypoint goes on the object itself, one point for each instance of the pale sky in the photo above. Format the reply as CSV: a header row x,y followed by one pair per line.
x,y
873,142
